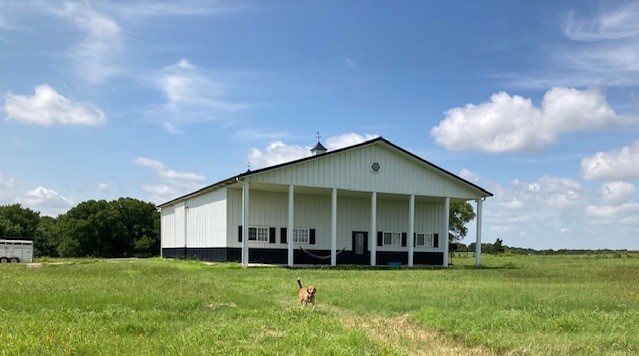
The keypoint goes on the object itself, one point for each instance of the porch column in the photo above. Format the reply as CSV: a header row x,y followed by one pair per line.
x,y
334,227
411,229
373,233
444,240
291,223
478,240
245,223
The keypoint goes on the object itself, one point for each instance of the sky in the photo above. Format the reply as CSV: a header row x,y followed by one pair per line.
x,y
537,102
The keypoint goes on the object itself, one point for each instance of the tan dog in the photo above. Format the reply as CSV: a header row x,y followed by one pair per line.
x,y
306,295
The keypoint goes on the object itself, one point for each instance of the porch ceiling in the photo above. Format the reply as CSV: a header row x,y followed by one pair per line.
x,y
280,188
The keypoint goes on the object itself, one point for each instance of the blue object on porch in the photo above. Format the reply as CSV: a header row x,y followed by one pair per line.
x,y
394,264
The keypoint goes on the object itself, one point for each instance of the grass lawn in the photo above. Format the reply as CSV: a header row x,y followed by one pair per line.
x,y
524,305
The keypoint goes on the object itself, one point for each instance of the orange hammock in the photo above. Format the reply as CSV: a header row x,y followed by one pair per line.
x,y
321,257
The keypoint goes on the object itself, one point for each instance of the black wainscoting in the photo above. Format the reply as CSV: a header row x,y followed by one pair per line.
x,y
280,256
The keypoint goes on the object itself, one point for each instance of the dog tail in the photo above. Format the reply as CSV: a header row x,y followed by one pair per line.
x,y
299,282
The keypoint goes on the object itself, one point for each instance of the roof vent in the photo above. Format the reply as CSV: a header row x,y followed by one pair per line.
x,y
318,149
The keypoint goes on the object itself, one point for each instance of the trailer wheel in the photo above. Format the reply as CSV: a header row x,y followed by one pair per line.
x,y
4,260
15,260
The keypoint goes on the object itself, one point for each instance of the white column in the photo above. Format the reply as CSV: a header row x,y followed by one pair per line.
x,y
411,229
334,227
373,233
478,240
245,223
291,223
444,240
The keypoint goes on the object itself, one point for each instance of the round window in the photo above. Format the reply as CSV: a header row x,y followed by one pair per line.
x,y
375,167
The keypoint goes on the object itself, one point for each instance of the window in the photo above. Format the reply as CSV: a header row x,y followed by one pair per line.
x,y
301,236
258,234
392,239
424,240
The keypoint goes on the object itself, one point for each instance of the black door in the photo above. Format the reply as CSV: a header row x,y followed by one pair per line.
x,y
360,253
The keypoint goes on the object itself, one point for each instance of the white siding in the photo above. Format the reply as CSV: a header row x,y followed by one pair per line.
x,y
392,216
172,226
350,170
206,219
270,209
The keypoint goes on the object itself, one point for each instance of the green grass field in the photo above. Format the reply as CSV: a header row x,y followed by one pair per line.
x,y
523,305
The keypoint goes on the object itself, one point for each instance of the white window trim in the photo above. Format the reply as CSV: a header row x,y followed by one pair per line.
x,y
297,239
429,239
399,235
263,237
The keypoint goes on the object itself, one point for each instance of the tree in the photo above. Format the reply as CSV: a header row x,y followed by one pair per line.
x,y
45,240
460,214
498,246
120,228
16,221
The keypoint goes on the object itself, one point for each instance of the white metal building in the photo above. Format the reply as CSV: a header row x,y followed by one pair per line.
x,y
372,203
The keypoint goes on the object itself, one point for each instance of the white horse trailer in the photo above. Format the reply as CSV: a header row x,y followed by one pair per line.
x,y
16,251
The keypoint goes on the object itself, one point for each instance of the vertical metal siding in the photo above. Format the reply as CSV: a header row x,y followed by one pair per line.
x,y
350,170
206,219
167,227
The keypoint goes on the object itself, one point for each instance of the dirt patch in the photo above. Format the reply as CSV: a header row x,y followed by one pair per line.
x,y
400,334
215,306
34,265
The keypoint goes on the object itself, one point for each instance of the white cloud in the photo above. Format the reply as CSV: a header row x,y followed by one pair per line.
x,y
166,173
615,24
622,164
191,97
278,152
469,175
96,56
104,187
173,183
275,153
601,49
348,62
513,124
556,192
626,212
47,201
47,107
347,139
618,192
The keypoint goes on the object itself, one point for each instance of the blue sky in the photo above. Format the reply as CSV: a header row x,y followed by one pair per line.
x,y
536,102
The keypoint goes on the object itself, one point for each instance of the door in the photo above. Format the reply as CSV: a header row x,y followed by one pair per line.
x,y
360,253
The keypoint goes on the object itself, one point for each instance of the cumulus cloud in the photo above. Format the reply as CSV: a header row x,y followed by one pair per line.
x,y
278,152
96,56
513,124
172,183
47,108
622,164
557,192
191,95
618,192
559,212
347,139
47,201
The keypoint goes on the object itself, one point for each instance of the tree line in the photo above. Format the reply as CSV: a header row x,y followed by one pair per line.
x,y
125,227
